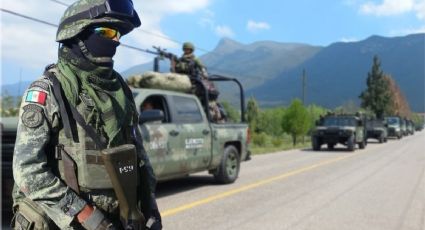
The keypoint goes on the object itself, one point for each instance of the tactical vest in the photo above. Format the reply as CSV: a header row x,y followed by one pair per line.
x,y
90,170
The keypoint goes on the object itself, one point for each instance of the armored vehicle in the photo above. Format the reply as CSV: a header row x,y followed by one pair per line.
x,y
410,127
394,126
348,130
8,136
377,129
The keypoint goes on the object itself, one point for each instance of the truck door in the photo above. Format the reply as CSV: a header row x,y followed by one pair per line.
x,y
193,131
160,141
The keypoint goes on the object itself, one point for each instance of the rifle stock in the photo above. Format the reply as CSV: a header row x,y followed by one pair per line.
x,y
121,165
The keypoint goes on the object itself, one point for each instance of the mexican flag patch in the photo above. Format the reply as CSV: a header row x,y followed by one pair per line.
x,y
36,96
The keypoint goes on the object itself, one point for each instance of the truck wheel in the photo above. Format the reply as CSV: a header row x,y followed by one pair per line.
x,y
362,144
228,170
331,146
315,144
351,143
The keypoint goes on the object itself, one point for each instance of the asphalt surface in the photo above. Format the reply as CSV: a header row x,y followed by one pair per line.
x,y
380,187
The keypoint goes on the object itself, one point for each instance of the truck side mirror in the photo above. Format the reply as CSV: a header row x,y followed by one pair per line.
x,y
360,123
151,115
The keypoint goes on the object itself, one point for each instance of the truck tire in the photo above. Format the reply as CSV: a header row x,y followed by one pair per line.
x,y
331,146
351,143
362,144
315,144
228,170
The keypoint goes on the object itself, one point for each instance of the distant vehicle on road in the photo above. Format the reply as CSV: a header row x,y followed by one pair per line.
x,y
377,129
394,126
348,130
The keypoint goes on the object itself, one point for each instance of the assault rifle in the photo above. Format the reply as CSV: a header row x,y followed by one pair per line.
x,y
161,54
122,167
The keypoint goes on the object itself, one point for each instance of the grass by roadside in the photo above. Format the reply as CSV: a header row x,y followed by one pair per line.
x,y
273,146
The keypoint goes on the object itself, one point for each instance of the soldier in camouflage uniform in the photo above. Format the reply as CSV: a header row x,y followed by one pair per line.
x,y
43,199
192,66
189,64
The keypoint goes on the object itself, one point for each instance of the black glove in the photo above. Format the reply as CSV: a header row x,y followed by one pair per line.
x,y
154,222
97,221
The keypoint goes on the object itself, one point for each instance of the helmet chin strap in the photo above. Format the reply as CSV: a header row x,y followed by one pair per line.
x,y
104,61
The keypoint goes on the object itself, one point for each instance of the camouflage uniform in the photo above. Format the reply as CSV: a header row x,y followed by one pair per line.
x,y
189,64
41,196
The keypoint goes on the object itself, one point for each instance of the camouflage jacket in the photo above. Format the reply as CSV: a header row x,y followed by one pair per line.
x,y
190,65
34,165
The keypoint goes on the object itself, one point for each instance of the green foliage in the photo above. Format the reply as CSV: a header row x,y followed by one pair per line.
x,y
269,120
252,112
377,96
9,105
259,139
296,120
277,141
233,115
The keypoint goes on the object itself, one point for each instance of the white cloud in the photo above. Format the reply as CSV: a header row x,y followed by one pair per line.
x,y
349,39
420,10
224,31
33,44
389,7
408,31
254,26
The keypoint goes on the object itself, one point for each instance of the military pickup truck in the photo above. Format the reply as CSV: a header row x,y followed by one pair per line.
x,y
178,135
332,129
377,129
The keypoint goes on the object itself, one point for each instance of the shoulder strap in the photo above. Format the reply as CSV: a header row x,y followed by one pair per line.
x,y
65,106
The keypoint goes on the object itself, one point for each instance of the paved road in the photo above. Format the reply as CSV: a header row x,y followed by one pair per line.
x,y
381,187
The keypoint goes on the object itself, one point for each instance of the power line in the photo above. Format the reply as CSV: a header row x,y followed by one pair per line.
x,y
122,44
147,32
28,17
60,3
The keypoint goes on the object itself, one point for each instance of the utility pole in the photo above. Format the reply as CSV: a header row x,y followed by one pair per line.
x,y
303,86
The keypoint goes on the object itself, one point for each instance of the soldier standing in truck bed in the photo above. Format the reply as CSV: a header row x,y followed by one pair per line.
x,y
77,108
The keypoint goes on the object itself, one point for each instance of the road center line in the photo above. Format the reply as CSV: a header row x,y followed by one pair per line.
x,y
173,211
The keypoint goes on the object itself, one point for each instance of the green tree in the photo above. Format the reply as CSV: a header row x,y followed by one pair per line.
x,y
232,113
377,96
9,105
252,112
296,120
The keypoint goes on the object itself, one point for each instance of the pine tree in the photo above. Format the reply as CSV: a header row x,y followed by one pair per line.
x,y
377,97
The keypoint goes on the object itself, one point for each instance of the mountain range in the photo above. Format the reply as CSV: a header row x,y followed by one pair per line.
x,y
335,74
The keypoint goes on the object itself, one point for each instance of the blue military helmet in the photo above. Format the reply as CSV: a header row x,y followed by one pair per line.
x,y
85,13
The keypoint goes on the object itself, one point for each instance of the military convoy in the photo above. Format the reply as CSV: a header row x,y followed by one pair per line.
x,y
350,130
332,129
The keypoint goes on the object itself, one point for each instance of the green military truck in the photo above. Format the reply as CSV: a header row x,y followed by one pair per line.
x,y
377,129
394,126
178,135
332,129
181,140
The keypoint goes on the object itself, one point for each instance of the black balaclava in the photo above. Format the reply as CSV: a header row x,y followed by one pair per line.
x,y
95,48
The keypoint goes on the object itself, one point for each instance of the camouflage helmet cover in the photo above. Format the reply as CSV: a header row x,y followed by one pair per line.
x,y
84,13
188,45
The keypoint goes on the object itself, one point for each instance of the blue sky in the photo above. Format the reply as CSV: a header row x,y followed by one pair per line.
x,y
28,46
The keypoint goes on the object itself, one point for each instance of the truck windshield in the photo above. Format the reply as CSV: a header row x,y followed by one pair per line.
x,y
392,120
339,121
